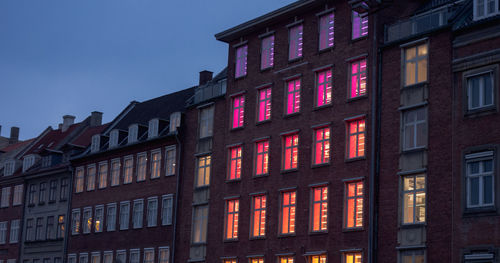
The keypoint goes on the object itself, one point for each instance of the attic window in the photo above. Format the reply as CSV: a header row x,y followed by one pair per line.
x,y
28,161
9,167
175,121
485,8
96,143
46,161
153,128
132,133
113,138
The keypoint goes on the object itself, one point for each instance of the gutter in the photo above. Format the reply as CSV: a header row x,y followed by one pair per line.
x,y
178,165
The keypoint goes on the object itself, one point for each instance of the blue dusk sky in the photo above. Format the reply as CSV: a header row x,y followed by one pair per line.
x,y
61,57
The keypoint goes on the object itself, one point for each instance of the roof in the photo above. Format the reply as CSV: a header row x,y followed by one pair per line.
x,y
85,137
432,4
16,146
465,17
51,140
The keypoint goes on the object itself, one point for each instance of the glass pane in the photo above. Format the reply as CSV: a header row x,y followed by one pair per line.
x,y
421,135
474,191
408,208
419,258
420,182
488,190
422,50
409,137
474,92
422,70
410,73
487,166
410,53
488,90
474,167
409,183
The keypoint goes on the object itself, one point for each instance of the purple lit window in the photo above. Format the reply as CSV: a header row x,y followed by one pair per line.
x,y
358,78
359,25
238,111
293,96
326,31
241,61
295,47
267,53
264,104
324,88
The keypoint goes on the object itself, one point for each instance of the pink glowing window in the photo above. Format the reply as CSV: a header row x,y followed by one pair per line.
x,y
262,158
241,61
293,96
324,88
353,210
258,219
322,145
326,31
359,25
238,111
234,163
295,42
287,218
264,104
358,78
319,214
356,139
267,52
290,151
232,212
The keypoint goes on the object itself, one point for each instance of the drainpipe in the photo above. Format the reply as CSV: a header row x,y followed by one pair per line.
x,y
178,175
67,221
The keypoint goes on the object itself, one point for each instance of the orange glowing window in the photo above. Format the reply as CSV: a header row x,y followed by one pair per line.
x,y
230,260
264,105
238,111
322,146
319,211
317,259
353,205
262,158
353,257
286,259
257,260
232,212
356,139
234,163
259,216
288,206
290,151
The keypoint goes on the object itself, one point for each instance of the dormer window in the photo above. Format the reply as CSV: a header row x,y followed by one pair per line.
x,y
153,128
96,143
46,161
113,138
9,168
486,8
28,161
175,121
132,133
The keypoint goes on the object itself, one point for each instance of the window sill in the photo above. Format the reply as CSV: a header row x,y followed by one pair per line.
x,y
263,122
257,238
416,85
169,175
327,49
100,188
237,128
293,60
320,165
261,176
124,183
140,181
479,112
480,211
262,70
358,39
286,235
354,159
318,233
230,240
412,225
415,150
154,178
360,97
115,185
326,106
240,77
286,116
233,180
202,187
289,171
353,229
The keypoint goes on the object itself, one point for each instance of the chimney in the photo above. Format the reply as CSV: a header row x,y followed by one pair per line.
x,y
68,120
14,135
205,76
95,118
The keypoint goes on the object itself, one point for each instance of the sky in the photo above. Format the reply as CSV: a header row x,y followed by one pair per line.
x,y
73,57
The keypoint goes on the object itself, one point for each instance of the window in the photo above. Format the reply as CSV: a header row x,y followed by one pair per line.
x,y
115,172
326,31
413,199
241,61
480,180
18,195
149,255
60,226
287,218
96,143
28,161
200,222
323,88
414,256
124,215
111,217
153,128
359,25
39,228
292,96
163,255
128,168
14,231
135,255
480,91
107,257
264,104
3,232
415,129
415,64
352,257
262,158
91,178
170,160
5,197
295,42
43,193
138,211
64,189
357,80
230,260
206,122
166,209
353,207
121,256
238,111
234,163
257,260
321,146
258,220
231,224
141,167
113,138
96,257
53,191
99,218
47,161
267,52
30,229
32,195
356,138
155,163
103,175
75,221
286,259
71,258
49,231
319,209
9,167
485,8
290,152
87,220
203,173
133,130
152,215
79,180
317,259
84,258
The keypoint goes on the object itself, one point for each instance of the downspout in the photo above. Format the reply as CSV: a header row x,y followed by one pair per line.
x,y
177,193
21,224
68,213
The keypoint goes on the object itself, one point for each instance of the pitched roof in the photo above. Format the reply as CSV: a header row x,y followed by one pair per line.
x,y
85,137
17,145
51,140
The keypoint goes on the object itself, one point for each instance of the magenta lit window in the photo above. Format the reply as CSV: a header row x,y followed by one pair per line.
x,y
356,139
358,78
238,111
262,158
326,31
359,25
235,163
322,146
264,104
267,52
291,152
293,96
324,88
241,61
295,45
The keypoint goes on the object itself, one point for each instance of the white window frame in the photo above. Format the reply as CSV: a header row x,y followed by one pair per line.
x,y
111,217
120,254
113,138
166,210
413,253
79,180
200,222
155,173
96,143
165,250
75,221
106,254
15,226
416,60
5,197
86,229
133,131
124,216
152,211
206,123
71,258
84,258
95,255
125,167
170,160
414,193
206,168
141,169
89,167
99,217
3,232
481,89
115,173
104,183
153,128
138,213
412,125
9,168
28,161
146,251
476,8
480,157
135,252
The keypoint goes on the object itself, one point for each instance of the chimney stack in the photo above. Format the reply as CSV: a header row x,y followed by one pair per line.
x,y
68,120
14,135
95,118
205,76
